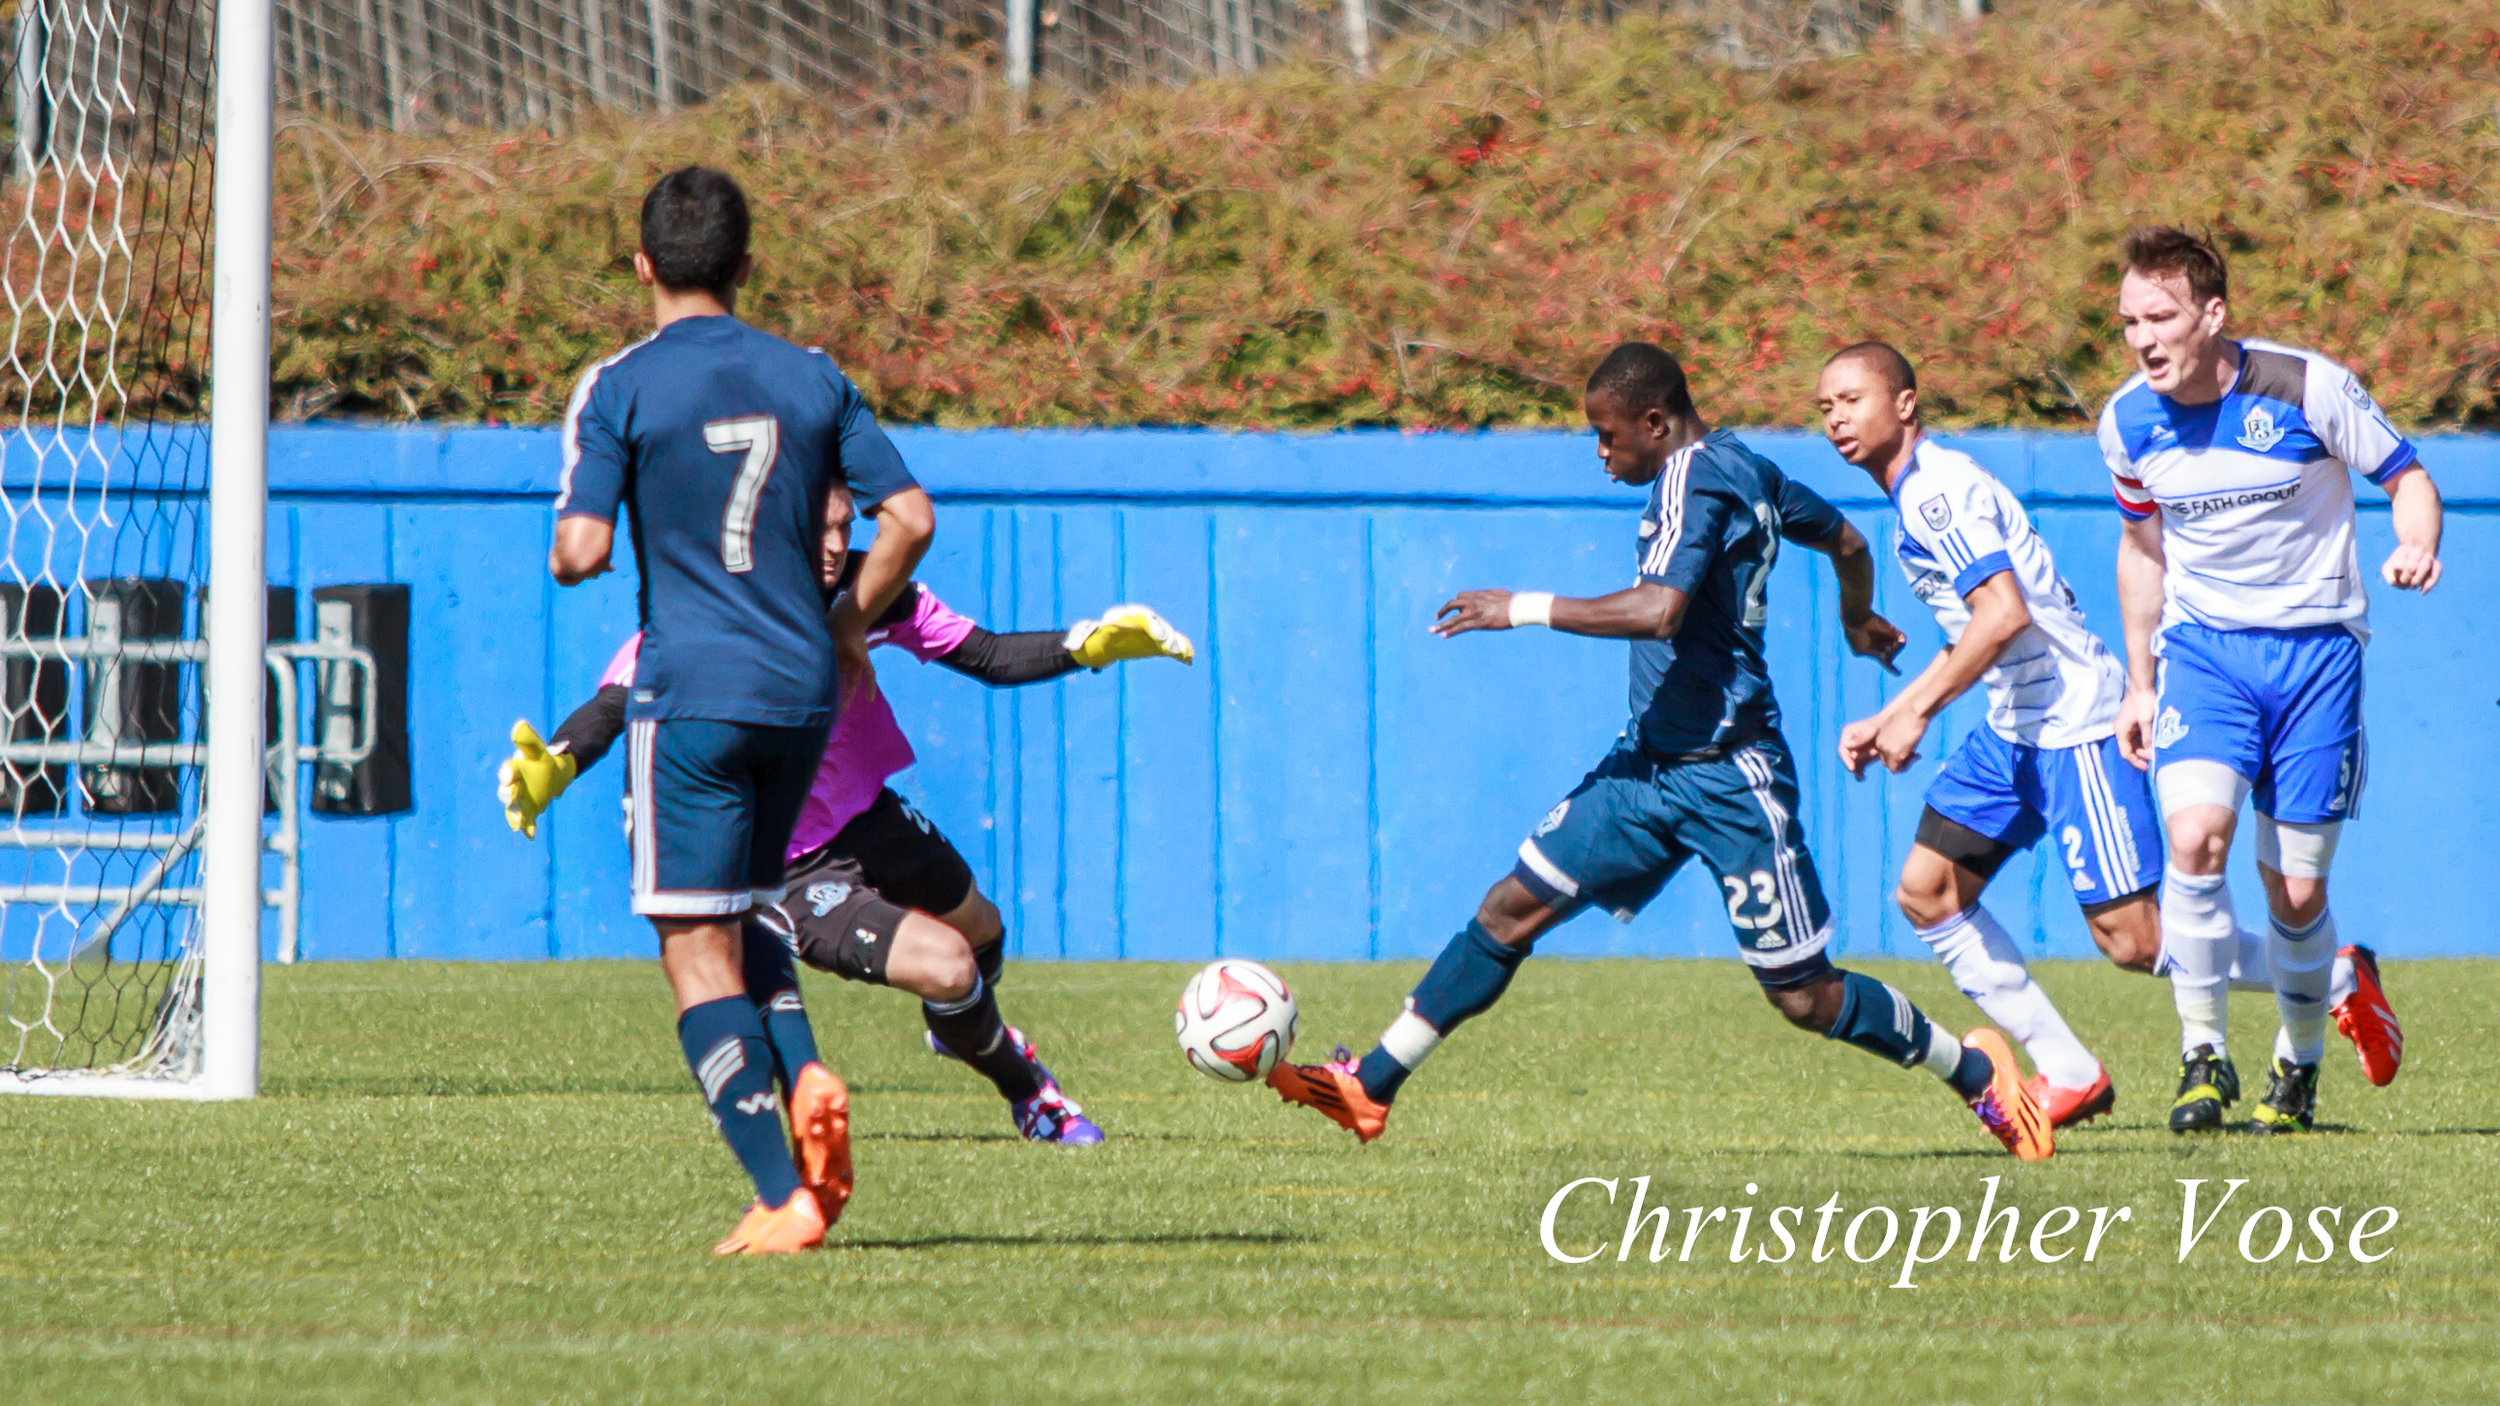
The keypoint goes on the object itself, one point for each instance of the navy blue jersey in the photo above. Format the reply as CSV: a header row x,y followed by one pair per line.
x,y
723,442
1712,530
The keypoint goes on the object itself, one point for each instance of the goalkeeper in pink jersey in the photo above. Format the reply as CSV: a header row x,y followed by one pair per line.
x,y
874,892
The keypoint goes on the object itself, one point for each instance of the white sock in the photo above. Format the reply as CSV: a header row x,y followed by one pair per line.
x,y
2300,958
2341,983
1944,1053
1989,968
2199,937
2249,969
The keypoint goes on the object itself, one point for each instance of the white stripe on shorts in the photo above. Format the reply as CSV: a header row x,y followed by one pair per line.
x,y
2122,828
1543,868
644,844
2096,814
1761,778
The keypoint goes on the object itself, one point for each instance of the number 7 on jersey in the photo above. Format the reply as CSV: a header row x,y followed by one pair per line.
x,y
759,438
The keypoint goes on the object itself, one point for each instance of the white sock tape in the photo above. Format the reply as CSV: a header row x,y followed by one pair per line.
x,y
1531,608
1409,1038
2297,851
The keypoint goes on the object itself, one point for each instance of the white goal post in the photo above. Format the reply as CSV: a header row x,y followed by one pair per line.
x,y
134,661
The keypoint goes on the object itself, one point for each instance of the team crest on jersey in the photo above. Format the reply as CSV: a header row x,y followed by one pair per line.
x,y
1937,512
821,898
1553,819
2358,396
2169,728
2258,431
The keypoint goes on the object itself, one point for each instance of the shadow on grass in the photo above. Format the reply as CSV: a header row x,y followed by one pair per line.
x,y
1203,1237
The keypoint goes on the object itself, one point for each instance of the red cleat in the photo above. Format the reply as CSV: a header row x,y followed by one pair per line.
x,y
2365,1019
1332,1089
820,1128
797,1224
2004,1108
2069,1107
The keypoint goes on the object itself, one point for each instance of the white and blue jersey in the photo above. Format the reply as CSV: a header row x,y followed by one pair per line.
x,y
2255,490
2056,684
2047,761
1712,530
724,442
2265,609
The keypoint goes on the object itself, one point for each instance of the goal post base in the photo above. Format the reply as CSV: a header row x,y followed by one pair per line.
x,y
72,1083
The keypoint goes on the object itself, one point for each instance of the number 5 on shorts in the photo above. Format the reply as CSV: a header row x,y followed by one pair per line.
x,y
759,438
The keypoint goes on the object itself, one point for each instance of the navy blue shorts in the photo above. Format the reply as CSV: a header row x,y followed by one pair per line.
x,y
2280,707
713,805
1630,824
2096,804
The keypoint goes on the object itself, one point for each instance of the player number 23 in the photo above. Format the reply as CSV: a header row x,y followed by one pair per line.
x,y
758,437
1765,893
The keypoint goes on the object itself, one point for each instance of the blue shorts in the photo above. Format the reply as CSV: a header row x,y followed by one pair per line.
x,y
2280,707
1631,823
711,811
2097,805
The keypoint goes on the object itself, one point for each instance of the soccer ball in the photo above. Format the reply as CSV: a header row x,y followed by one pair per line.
x,y
1236,1020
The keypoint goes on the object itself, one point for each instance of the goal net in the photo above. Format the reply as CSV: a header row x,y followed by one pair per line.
x,y
110,865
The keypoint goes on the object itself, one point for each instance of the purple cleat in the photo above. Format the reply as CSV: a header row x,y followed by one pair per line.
x,y
1049,1116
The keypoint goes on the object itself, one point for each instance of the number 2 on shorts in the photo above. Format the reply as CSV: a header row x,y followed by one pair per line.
x,y
759,438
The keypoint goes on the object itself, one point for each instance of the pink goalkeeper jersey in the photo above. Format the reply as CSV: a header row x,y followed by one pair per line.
x,y
867,745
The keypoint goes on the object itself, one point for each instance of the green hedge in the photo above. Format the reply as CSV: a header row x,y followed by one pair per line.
x,y
1455,242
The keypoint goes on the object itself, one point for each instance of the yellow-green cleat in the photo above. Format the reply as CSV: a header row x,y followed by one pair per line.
x,y
2291,1101
2208,1084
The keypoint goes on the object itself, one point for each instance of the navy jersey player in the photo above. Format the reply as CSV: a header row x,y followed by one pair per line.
x,y
1701,770
2245,614
2045,762
722,445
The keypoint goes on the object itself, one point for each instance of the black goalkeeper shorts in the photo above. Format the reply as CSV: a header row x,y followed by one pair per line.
x,y
842,904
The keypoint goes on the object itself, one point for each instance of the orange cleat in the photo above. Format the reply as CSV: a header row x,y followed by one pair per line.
x,y
2365,1019
1332,1089
2067,1108
2004,1107
796,1224
820,1128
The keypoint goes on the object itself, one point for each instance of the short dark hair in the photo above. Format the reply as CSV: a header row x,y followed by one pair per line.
x,y
2157,251
1887,360
694,228
1643,377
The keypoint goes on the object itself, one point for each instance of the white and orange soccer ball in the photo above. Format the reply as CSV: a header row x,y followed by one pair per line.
x,y
1236,1020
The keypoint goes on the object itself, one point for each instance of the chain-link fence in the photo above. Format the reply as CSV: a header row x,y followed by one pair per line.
x,y
412,64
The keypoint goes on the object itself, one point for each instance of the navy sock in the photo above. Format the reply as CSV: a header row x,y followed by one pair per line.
x,y
1470,975
773,987
1381,1075
974,1030
1881,1021
725,1047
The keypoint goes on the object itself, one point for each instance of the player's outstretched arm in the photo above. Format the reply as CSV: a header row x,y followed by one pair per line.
x,y
2140,592
1647,611
538,772
1871,636
2413,501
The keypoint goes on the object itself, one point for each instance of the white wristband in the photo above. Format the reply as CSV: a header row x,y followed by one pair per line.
x,y
1531,608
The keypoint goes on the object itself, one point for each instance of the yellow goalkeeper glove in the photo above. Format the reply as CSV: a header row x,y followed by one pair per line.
x,y
531,778
1126,632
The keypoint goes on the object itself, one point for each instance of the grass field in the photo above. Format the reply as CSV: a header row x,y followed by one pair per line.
x,y
493,1183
